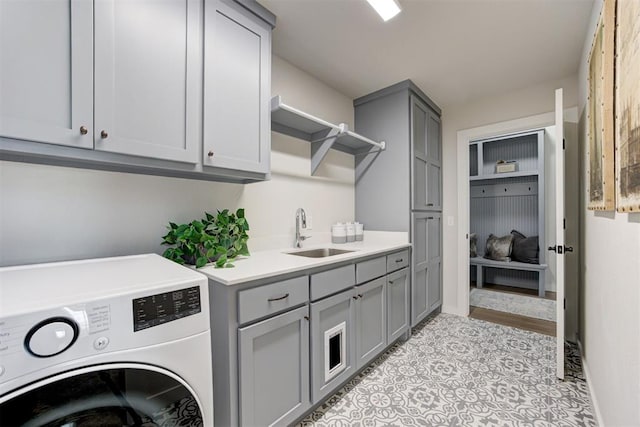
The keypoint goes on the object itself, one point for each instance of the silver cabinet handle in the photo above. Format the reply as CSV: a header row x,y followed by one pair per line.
x,y
355,297
104,134
429,204
400,260
83,130
306,318
278,298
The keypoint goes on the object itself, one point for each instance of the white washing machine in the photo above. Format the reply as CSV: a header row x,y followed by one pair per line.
x,y
108,342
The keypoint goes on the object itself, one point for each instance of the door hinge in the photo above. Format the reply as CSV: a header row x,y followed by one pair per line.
x,y
564,303
563,143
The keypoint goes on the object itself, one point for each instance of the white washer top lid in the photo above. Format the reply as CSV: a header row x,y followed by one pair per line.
x,y
30,288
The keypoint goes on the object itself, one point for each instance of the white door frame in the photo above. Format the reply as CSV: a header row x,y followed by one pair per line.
x,y
464,137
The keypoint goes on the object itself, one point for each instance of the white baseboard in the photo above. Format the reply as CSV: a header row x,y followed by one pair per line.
x,y
592,393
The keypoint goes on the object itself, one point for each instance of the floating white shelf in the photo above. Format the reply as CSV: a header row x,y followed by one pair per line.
x,y
322,134
503,175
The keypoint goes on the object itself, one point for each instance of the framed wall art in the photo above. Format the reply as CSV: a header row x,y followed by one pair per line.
x,y
600,114
628,106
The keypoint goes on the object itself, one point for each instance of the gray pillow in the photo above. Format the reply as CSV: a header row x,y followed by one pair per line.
x,y
473,245
499,248
525,249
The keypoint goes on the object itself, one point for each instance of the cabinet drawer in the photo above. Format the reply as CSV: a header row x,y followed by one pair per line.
x,y
269,299
397,260
332,281
369,270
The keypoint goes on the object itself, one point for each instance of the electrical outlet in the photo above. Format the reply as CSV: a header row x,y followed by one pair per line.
x,y
309,222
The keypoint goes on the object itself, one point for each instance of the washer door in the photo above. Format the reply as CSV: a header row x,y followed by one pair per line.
x,y
106,395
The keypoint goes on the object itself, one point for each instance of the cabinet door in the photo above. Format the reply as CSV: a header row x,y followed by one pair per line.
x,y
434,269
147,78
419,118
274,369
46,71
419,265
426,157
397,304
434,162
371,320
332,343
237,81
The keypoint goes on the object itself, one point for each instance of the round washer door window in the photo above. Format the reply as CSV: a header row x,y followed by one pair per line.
x,y
104,396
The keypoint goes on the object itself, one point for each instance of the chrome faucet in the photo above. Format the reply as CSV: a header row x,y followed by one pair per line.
x,y
301,220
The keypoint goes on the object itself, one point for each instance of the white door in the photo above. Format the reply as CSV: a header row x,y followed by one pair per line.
x,y
147,78
559,243
46,71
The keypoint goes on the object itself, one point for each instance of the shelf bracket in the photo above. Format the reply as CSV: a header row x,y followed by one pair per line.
x,y
321,146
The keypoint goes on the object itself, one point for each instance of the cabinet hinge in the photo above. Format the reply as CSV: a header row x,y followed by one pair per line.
x,y
564,303
563,143
564,223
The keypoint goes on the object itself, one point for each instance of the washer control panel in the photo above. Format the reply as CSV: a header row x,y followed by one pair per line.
x,y
154,310
43,340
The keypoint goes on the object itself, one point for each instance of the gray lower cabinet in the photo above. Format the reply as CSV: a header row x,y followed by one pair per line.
x,y
398,308
371,320
274,369
426,289
333,358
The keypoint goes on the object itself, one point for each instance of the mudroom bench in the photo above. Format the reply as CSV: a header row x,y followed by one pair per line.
x,y
481,263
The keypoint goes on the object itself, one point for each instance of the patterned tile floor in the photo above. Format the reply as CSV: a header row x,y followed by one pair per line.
x,y
457,371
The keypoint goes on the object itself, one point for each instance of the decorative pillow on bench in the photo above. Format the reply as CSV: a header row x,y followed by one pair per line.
x,y
525,249
499,248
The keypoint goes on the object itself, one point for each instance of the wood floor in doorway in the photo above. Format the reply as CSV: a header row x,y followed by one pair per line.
x,y
514,320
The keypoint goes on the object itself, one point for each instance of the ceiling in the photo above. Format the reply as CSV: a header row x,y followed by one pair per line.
x,y
455,50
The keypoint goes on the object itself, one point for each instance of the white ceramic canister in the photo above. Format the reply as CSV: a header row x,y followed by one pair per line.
x,y
351,232
359,232
338,233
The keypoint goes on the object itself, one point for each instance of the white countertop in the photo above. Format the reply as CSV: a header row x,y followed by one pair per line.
x,y
274,262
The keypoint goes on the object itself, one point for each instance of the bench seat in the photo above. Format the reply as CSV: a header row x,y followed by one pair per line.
x,y
481,263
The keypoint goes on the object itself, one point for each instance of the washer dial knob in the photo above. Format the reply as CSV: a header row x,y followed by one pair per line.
x,y
51,337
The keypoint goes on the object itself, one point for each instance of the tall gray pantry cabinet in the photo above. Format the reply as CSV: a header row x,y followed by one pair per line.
x,y
400,189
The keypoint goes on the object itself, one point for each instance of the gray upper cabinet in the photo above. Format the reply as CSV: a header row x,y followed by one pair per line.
x,y
274,369
434,162
55,106
237,81
173,87
426,158
146,82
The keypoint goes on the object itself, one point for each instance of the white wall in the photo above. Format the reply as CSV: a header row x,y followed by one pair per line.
x,y
610,291
52,213
531,101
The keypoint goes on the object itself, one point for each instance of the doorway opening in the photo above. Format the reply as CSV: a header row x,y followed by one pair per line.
x,y
508,212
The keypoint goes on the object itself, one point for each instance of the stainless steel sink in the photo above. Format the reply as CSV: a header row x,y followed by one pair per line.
x,y
320,252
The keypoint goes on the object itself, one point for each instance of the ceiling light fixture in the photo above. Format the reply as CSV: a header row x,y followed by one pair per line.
x,y
387,9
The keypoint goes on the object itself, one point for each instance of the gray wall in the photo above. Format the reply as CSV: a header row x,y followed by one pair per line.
x,y
54,213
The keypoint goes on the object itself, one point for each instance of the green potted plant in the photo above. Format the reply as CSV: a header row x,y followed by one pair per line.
x,y
216,238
